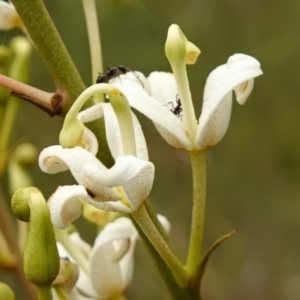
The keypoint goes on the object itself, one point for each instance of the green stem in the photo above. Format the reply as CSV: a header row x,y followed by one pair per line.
x,y
44,292
59,63
199,194
91,19
142,218
152,214
61,294
176,291
63,237
8,122
50,46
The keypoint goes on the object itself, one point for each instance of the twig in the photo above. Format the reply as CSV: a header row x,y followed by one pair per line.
x,y
52,103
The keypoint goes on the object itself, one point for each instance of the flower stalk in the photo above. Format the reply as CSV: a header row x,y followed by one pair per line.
x,y
199,193
63,237
143,220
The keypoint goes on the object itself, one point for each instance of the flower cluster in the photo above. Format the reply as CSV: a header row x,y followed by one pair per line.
x,y
105,269
165,99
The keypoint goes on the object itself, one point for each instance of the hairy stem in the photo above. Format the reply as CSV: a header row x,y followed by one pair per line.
x,y
142,218
49,45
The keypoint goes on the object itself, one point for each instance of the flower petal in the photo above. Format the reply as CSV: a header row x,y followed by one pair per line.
x,y
114,138
169,126
112,129
110,276
135,175
9,18
216,109
90,139
65,206
55,159
163,88
92,113
83,281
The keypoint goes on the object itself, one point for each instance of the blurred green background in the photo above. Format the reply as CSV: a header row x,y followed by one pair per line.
x,y
253,174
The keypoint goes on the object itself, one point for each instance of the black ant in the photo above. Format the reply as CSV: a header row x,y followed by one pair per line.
x,y
176,110
115,72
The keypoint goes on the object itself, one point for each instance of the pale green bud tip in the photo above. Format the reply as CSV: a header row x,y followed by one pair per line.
x,y
25,154
20,202
21,46
71,134
6,292
192,53
178,48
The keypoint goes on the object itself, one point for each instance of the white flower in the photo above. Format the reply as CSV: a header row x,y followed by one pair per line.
x,y
110,260
122,188
236,75
113,135
9,18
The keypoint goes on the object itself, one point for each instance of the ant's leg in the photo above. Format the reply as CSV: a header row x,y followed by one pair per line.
x,y
138,78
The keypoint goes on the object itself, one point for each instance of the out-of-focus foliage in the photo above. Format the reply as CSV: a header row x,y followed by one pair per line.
x,y
253,174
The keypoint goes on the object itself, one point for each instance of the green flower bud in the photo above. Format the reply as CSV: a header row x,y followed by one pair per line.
x,y
6,292
41,260
21,48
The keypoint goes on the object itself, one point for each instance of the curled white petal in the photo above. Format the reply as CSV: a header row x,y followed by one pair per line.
x,y
135,175
216,109
243,91
110,206
65,206
170,126
109,276
56,159
99,193
9,18
101,186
